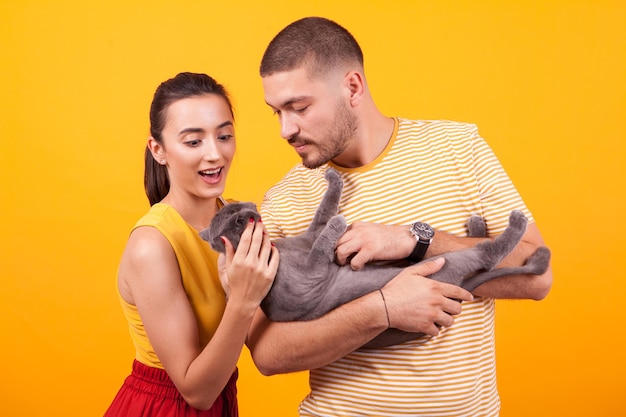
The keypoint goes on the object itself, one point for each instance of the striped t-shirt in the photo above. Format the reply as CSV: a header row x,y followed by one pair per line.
x,y
438,172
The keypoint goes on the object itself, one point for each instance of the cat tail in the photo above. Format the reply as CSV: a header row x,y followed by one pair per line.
x,y
536,264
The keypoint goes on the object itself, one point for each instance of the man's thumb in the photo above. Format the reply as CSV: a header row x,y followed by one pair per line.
x,y
429,267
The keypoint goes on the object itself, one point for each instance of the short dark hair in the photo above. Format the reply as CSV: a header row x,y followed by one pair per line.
x,y
183,85
317,41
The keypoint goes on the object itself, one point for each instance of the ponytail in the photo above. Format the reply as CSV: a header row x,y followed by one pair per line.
x,y
155,179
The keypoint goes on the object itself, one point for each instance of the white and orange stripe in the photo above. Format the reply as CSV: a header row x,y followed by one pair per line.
x,y
439,172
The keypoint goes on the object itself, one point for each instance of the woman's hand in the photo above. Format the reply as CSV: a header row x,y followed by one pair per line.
x,y
247,274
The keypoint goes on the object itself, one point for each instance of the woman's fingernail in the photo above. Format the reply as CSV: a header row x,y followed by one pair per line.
x,y
251,220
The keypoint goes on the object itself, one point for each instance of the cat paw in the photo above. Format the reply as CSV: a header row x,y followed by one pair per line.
x,y
539,261
335,184
476,226
332,176
518,220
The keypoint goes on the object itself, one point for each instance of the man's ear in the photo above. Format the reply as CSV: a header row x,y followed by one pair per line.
x,y
157,150
356,86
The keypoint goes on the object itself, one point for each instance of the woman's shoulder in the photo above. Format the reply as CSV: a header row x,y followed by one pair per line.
x,y
146,243
147,253
157,214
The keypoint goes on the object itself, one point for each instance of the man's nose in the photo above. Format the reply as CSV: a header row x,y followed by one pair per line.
x,y
288,128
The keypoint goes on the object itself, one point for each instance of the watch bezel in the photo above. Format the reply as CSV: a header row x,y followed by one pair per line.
x,y
423,234
422,231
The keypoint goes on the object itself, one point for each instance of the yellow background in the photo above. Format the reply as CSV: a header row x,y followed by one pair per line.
x,y
544,80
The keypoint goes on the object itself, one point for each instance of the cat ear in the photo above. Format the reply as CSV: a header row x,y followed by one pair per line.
x,y
204,234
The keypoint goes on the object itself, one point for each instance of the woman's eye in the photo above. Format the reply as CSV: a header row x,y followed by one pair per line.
x,y
224,137
192,142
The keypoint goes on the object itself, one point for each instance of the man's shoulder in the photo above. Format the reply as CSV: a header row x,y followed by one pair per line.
x,y
442,124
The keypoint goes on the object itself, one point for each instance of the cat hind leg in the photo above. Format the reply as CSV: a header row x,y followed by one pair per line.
x,y
476,226
493,251
536,264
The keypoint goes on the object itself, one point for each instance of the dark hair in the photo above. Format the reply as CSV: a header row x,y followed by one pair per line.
x,y
184,85
317,41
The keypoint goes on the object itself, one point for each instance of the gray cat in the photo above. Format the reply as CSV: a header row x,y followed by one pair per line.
x,y
309,283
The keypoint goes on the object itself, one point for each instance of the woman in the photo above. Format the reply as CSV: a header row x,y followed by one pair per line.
x,y
187,338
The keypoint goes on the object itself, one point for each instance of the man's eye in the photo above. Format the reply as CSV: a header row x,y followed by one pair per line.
x,y
301,109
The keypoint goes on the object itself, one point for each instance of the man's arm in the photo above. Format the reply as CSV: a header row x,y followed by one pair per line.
x,y
411,303
365,242
533,287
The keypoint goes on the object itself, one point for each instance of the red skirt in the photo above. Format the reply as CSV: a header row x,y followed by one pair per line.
x,y
149,392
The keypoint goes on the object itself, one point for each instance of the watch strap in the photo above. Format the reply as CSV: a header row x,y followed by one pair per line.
x,y
418,251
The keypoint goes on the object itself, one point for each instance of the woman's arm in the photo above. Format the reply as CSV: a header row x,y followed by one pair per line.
x,y
150,278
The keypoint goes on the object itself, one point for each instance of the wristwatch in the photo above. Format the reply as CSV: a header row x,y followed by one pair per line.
x,y
424,235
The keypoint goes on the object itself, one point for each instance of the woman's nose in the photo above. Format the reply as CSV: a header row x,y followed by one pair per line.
x,y
211,150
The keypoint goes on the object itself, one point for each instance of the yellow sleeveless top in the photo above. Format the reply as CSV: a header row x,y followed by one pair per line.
x,y
198,268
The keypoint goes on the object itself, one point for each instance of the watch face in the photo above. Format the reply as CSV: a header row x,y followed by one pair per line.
x,y
423,230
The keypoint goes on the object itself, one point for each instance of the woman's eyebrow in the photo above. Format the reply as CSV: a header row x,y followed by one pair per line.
x,y
201,130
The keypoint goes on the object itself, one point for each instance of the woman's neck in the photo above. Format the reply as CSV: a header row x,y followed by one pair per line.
x,y
197,213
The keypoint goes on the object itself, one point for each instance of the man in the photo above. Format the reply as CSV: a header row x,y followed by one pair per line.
x,y
396,173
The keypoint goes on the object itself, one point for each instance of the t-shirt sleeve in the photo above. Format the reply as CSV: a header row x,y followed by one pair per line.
x,y
497,192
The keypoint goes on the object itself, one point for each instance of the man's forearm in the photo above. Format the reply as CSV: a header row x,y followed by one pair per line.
x,y
534,287
298,346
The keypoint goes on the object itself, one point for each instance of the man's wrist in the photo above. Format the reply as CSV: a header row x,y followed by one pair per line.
x,y
423,234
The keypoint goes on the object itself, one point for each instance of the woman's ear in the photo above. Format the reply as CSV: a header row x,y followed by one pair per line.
x,y
158,153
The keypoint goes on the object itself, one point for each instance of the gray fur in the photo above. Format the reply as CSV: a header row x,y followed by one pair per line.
x,y
309,283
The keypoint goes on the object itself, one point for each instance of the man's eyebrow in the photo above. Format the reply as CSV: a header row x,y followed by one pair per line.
x,y
290,101
201,130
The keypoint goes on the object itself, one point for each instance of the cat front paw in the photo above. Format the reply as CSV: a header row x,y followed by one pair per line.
x,y
334,178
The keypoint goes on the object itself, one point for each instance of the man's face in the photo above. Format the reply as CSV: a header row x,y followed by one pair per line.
x,y
314,114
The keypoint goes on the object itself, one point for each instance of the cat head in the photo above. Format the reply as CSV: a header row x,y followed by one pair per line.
x,y
230,221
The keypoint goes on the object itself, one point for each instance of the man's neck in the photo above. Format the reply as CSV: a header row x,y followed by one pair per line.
x,y
370,141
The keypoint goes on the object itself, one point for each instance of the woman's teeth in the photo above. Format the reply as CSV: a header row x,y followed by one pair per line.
x,y
211,172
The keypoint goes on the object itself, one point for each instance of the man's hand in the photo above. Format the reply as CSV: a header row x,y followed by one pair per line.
x,y
419,304
365,242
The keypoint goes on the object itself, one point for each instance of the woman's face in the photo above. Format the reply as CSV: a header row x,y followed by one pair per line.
x,y
198,146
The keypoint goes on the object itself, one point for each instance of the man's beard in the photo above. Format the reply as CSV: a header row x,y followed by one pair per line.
x,y
334,141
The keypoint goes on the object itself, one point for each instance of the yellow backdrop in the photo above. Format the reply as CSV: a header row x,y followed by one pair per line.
x,y
544,80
